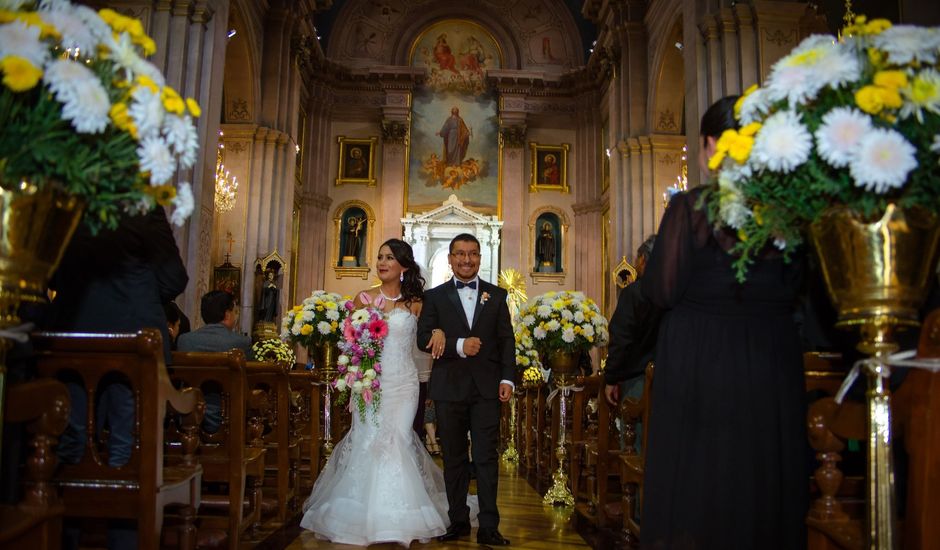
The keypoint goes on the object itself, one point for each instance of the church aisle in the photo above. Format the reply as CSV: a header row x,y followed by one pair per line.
x,y
524,520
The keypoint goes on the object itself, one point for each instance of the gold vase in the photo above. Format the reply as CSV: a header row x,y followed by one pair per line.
x,y
563,363
564,367
877,275
324,356
36,223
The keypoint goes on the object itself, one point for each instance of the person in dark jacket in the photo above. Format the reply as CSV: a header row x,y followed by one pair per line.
x,y
633,329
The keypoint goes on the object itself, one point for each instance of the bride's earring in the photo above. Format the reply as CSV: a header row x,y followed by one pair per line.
x,y
401,277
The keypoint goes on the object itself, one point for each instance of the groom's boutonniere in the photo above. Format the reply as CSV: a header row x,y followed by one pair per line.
x,y
484,297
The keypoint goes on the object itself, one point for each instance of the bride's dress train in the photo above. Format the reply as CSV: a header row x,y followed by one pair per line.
x,y
380,484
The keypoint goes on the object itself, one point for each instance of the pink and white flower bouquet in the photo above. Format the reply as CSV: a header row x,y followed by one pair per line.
x,y
359,365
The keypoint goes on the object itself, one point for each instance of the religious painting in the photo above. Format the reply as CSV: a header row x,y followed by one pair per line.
x,y
454,148
227,277
356,161
456,55
549,167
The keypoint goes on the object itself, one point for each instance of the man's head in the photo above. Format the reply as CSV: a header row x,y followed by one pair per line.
x,y
219,306
643,254
465,256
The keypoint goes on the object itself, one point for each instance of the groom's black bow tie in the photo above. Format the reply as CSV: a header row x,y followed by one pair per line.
x,y
471,284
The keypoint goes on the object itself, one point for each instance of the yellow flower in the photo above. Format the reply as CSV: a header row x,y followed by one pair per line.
x,y
19,74
306,330
193,107
759,214
32,19
119,115
163,194
145,81
891,79
751,129
873,99
877,26
147,45
172,101
876,57
715,161
742,236
924,90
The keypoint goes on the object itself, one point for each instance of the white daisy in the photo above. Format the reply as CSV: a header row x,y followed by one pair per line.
x,y
147,111
782,143
883,160
579,316
552,325
182,204
155,157
75,33
529,320
544,311
568,335
837,138
905,43
181,136
731,206
19,39
332,315
83,98
818,61
324,328
587,330
755,106
539,333
122,51
922,93
12,5
566,315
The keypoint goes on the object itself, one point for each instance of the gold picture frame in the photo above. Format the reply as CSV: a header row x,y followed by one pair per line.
x,y
549,167
356,160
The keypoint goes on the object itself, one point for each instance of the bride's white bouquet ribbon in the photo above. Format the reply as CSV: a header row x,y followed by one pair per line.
x,y
900,359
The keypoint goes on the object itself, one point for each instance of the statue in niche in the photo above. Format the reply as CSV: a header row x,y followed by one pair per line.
x,y
267,305
545,248
353,242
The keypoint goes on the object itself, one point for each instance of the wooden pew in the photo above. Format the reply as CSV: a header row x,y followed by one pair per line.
x,y
283,452
632,411
582,437
306,412
235,454
140,489
36,521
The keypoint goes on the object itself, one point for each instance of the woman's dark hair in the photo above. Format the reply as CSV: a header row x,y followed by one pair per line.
x,y
412,284
719,117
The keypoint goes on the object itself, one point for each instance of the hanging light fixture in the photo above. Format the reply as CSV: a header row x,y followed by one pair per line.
x,y
226,185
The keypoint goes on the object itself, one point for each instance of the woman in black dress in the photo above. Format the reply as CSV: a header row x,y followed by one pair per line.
x,y
725,465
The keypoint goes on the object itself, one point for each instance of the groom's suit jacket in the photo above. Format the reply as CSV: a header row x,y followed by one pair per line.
x,y
452,376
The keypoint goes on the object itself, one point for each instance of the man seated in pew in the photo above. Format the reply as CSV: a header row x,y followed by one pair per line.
x,y
219,311
115,281
633,329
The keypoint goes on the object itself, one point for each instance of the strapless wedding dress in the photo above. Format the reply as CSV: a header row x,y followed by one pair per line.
x,y
380,484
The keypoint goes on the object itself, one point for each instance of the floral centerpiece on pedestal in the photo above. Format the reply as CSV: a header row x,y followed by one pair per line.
x,y
852,122
317,320
359,365
82,111
273,349
566,322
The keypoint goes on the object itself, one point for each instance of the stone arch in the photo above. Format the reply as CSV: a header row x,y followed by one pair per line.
x,y
667,86
241,87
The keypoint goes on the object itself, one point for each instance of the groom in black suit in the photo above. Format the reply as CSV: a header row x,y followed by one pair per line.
x,y
474,364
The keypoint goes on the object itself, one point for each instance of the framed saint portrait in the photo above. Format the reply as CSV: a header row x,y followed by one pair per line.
x,y
356,161
549,167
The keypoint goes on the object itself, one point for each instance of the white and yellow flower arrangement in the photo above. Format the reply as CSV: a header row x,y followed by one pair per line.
x,y
852,122
564,321
81,109
273,349
317,320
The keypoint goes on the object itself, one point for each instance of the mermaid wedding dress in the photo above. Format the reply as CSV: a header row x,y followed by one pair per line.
x,y
380,484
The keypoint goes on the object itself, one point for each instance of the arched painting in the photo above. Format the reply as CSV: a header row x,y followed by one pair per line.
x,y
455,123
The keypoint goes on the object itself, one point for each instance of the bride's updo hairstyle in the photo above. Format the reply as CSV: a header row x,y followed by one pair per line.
x,y
412,285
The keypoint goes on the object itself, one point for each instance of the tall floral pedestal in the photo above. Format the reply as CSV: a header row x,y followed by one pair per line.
x,y
321,358
564,369
36,224
877,275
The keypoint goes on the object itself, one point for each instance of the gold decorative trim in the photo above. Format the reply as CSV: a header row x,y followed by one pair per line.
x,y
354,272
538,277
623,273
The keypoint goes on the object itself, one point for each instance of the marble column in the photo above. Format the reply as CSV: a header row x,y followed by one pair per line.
x,y
514,194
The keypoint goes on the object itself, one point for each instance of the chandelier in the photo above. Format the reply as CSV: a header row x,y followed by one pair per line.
x,y
682,180
226,185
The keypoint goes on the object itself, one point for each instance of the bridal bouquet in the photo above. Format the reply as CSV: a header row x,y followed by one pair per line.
x,y
83,112
317,319
359,365
561,321
852,122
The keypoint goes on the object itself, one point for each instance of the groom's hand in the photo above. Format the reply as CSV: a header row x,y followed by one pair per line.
x,y
505,392
471,346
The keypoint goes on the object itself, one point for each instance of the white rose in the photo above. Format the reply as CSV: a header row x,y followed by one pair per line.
x,y
343,359
341,384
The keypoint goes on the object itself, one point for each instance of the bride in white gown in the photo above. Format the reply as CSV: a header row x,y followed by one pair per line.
x,y
380,484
